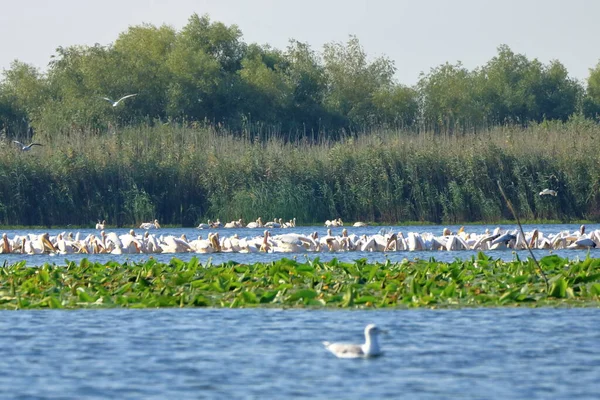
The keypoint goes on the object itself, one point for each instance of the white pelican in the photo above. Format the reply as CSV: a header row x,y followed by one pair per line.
x,y
150,225
456,242
100,225
414,242
331,241
273,224
116,103
6,245
130,243
396,242
234,224
266,246
290,224
171,244
64,246
582,243
150,244
248,246
504,241
204,226
39,244
112,243
334,223
291,243
209,245
548,192
359,224
255,224
348,243
369,349
26,246
26,147
231,244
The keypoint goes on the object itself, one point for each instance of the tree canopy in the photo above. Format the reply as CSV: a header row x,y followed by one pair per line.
x,y
205,72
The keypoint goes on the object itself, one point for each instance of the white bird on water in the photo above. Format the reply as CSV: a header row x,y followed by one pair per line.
x,y
150,225
26,147
116,103
548,192
369,349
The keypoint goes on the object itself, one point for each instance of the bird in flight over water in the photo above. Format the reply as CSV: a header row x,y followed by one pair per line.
x,y
116,103
26,147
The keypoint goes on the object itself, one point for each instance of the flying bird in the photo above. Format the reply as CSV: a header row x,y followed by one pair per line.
x,y
28,147
548,192
116,103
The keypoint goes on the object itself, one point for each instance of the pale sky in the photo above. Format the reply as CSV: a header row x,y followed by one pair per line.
x,y
416,35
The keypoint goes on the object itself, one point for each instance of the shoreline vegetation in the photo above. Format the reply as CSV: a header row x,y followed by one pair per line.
x,y
480,281
183,175
208,126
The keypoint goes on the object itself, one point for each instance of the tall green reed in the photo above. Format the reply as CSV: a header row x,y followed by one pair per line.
x,y
186,174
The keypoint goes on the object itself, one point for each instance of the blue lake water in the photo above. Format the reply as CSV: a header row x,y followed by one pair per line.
x,y
498,353
217,258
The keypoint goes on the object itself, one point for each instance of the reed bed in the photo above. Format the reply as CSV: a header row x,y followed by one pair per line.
x,y
480,281
183,175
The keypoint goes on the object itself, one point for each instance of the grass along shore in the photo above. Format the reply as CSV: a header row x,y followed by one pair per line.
x,y
479,282
186,175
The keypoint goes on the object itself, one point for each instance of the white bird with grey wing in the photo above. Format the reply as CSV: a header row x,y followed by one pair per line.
x,y
369,349
26,147
550,192
116,103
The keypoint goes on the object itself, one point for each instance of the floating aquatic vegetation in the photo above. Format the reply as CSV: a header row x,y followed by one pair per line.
x,y
478,281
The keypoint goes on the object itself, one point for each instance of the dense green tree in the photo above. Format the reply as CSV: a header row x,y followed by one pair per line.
x,y
79,76
222,42
397,106
268,91
141,54
353,80
195,78
558,96
517,90
505,91
448,98
23,92
215,54
591,101
307,78
206,73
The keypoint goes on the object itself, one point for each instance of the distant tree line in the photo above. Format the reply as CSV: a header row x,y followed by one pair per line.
x,y
205,73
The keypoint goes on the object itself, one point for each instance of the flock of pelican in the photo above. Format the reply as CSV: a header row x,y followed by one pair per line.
x,y
130,242
276,223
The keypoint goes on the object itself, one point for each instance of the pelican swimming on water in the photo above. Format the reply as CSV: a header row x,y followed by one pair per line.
x,y
26,147
100,225
255,224
116,103
150,225
202,225
369,349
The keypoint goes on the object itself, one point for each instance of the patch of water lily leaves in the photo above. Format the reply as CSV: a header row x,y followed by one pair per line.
x,y
479,281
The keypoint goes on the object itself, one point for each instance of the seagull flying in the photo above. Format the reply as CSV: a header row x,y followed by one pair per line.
x,y
116,103
28,147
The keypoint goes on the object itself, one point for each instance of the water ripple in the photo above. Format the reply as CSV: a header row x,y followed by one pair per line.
x,y
271,353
